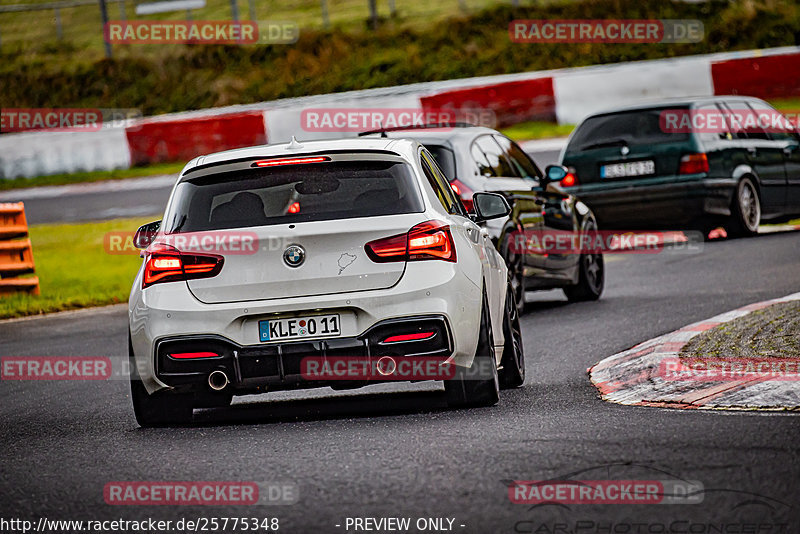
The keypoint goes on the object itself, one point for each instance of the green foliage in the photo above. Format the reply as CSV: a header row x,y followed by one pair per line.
x,y
525,131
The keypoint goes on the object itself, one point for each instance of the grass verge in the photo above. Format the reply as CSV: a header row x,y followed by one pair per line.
x,y
525,131
74,270
773,332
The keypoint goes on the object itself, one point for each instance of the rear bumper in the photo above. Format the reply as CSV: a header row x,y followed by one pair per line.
x,y
297,365
669,202
169,311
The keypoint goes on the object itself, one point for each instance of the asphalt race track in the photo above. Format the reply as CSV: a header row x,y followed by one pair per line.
x,y
93,201
402,454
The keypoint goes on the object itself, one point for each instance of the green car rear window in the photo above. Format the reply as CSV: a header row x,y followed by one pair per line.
x,y
636,127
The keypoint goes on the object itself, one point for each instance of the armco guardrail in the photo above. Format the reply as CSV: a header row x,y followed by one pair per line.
x,y
16,255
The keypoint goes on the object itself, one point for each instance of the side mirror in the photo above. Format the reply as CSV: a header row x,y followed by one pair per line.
x,y
555,173
145,234
490,206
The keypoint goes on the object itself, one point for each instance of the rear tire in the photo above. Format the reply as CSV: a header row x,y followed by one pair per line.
x,y
591,275
478,385
745,210
513,373
162,408
516,276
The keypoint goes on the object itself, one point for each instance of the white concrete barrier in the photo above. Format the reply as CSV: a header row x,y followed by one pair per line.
x,y
43,153
582,91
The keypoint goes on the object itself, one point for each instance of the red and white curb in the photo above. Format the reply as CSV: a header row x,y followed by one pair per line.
x,y
633,377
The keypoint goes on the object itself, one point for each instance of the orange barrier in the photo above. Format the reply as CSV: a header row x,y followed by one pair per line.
x,y
16,255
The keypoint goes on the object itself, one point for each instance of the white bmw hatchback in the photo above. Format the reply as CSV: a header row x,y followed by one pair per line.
x,y
332,263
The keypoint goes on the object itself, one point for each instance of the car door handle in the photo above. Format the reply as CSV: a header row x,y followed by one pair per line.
x,y
752,151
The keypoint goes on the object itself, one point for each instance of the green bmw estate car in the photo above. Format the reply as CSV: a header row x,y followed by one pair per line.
x,y
690,164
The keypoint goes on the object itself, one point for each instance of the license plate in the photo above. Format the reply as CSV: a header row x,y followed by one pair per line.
x,y
299,328
629,168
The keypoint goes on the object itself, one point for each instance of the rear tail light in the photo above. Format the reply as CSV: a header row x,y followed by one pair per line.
x,y
294,207
430,240
419,336
289,161
464,193
693,164
167,264
571,179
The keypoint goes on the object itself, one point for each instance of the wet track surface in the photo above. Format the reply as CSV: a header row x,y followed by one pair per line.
x,y
402,453
93,201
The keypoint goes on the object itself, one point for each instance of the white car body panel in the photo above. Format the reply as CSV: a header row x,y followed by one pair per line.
x,y
266,275
230,304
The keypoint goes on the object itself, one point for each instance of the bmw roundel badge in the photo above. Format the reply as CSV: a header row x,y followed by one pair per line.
x,y
294,255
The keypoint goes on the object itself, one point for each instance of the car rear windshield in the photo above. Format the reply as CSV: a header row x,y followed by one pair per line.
x,y
639,127
293,193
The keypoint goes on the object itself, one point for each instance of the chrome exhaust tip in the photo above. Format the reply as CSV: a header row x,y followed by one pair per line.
x,y
386,366
218,380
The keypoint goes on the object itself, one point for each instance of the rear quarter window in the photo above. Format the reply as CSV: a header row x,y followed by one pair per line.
x,y
440,185
721,130
445,158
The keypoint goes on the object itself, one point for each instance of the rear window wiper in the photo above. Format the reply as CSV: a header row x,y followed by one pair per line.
x,y
603,144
